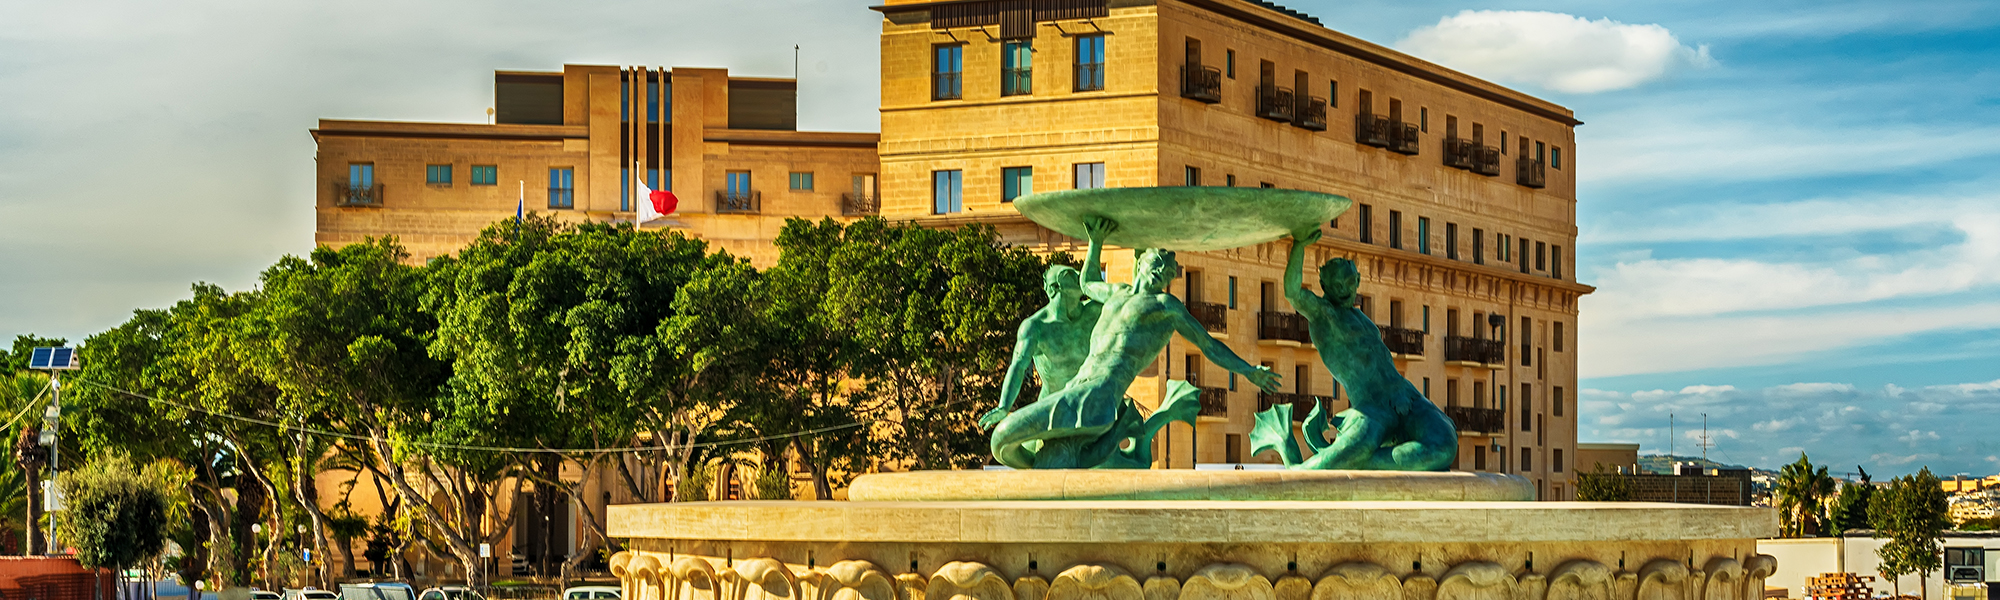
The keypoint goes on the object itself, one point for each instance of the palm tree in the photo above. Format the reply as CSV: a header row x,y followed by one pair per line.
x,y
1802,493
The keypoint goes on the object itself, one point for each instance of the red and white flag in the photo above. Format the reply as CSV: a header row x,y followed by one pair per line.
x,y
655,204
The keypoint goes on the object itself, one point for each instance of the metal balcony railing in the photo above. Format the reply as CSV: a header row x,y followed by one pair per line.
x,y
1214,402
742,202
1406,342
1273,325
1089,77
1311,113
1301,403
855,205
1530,172
1371,130
1403,137
1477,420
1201,83
347,194
947,86
1017,81
1486,160
1276,103
1476,350
1459,153
1212,316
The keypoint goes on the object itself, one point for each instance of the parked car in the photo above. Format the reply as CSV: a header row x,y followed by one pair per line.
x,y
518,563
385,590
308,594
592,592
450,592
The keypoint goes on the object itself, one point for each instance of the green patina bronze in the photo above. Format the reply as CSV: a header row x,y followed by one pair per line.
x,y
1094,337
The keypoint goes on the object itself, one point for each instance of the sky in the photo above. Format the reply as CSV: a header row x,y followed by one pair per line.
x,y
1789,208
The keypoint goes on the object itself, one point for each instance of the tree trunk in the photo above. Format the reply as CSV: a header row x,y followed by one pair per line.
x,y
194,558
460,545
32,476
306,490
822,489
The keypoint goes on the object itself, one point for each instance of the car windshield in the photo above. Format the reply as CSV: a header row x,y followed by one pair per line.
x,y
608,595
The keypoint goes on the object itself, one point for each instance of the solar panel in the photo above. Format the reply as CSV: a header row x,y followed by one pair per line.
x,y
43,359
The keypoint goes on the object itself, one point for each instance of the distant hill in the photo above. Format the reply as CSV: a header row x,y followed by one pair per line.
x,y
1664,463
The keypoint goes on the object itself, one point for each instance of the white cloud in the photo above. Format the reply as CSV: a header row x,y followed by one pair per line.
x,y
1565,53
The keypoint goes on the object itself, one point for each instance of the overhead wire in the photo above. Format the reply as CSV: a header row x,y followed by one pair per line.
x,y
506,449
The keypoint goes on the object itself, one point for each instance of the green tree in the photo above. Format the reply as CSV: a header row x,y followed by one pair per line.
x,y
1850,510
115,516
1913,513
1601,485
1802,493
931,313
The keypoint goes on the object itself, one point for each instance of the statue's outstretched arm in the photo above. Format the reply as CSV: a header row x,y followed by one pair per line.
x,y
1295,291
1220,354
1017,375
1093,264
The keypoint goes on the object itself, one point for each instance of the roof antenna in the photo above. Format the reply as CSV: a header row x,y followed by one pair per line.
x,y
795,64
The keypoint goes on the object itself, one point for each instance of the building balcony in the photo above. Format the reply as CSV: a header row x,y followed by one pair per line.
x,y
1214,402
1371,130
1201,83
1477,420
346,194
1485,160
739,202
1404,343
1212,316
947,86
1311,114
1283,327
1460,153
1474,352
1017,81
1276,103
1301,403
1530,173
1403,138
857,205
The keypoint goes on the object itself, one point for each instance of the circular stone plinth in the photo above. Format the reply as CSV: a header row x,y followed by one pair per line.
x,y
1168,484
1184,218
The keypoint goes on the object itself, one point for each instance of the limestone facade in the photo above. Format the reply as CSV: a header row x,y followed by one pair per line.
x,y
1443,247
688,130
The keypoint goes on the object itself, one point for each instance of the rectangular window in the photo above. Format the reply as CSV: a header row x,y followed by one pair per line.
x,y
625,189
1367,224
1451,392
1478,246
1541,150
562,187
1232,291
947,71
1190,176
1017,68
1527,403
1396,229
1424,119
1556,262
1541,256
652,101
1016,182
1556,465
1089,63
653,181
1366,304
361,175
802,182
1499,397
1266,185
1395,313
1503,142
1423,235
437,174
1478,393
947,191
1527,341
1451,241
1332,93
1229,180
485,174
1556,335
1556,401
1089,176
1556,157
737,183
1229,63
1527,460
1427,387
1524,256
1427,318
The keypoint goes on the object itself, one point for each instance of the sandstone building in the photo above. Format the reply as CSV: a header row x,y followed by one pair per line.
x,y
1464,190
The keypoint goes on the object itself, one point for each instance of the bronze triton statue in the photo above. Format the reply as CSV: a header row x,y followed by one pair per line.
x,y
1084,423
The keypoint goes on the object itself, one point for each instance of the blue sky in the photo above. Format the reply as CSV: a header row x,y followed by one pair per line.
x,y
1789,207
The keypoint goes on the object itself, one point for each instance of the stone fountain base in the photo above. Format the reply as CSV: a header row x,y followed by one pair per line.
x,y
1191,549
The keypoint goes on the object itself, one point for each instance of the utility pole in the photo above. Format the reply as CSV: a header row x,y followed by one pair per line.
x,y
53,360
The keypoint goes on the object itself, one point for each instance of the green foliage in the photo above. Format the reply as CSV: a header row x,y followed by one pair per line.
x,y
1600,485
115,516
772,481
696,485
1913,513
1850,510
1802,493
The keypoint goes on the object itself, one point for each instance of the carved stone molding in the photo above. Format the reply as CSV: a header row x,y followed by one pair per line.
x,y
1095,582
